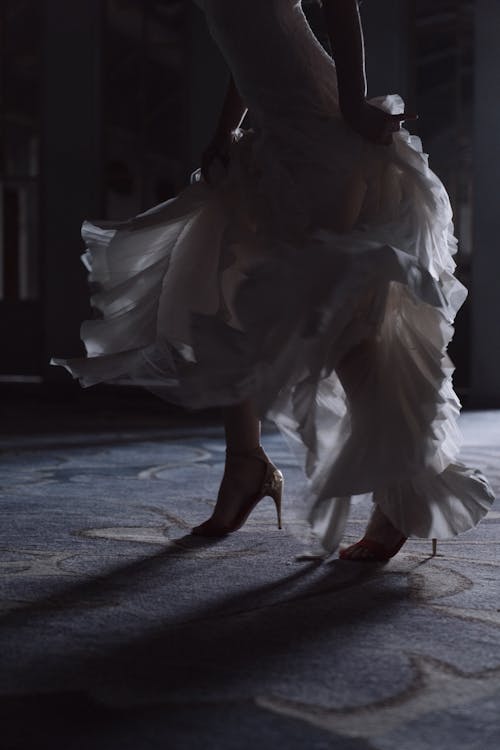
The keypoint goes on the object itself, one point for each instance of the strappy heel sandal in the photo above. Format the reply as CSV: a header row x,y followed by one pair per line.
x,y
271,486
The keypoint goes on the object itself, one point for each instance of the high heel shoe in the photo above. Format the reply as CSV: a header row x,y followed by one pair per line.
x,y
368,549
378,553
271,486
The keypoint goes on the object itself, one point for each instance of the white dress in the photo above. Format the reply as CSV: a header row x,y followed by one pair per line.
x,y
257,285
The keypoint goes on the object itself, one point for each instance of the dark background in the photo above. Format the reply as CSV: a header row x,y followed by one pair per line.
x,y
106,106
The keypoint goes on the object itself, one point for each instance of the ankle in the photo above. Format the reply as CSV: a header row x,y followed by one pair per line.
x,y
380,527
245,453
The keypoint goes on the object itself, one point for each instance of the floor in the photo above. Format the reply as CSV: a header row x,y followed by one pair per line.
x,y
120,630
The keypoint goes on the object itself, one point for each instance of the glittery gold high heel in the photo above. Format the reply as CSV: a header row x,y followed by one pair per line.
x,y
271,486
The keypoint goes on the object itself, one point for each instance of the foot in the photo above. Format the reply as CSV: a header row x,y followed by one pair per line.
x,y
381,541
242,479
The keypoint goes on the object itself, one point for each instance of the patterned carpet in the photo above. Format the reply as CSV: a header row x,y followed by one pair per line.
x,y
119,630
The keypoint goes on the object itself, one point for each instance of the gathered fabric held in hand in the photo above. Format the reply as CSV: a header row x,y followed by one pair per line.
x,y
313,246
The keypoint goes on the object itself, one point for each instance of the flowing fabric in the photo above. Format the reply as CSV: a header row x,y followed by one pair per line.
x,y
314,246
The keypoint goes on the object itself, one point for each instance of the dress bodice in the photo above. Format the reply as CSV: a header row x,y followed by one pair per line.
x,y
279,66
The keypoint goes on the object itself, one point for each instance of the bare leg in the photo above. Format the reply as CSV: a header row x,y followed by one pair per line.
x,y
242,428
352,371
244,469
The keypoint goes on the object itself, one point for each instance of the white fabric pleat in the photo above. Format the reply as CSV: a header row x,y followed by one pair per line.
x,y
255,287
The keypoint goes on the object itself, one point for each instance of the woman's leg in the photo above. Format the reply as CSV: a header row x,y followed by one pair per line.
x,y
352,371
241,427
244,469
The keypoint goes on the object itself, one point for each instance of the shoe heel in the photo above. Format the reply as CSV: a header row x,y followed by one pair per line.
x,y
272,486
434,547
275,491
277,501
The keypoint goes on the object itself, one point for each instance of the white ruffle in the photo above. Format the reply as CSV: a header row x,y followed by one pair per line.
x,y
248,288
205,307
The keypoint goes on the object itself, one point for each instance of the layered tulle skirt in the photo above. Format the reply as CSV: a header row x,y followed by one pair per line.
x,y
300,262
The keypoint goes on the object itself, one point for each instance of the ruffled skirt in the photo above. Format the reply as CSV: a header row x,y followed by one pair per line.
x,y
275,280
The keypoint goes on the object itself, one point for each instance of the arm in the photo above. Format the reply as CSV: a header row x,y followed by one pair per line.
x,y
346,38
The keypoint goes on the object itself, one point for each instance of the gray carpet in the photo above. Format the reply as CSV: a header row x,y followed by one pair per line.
x,y
119,630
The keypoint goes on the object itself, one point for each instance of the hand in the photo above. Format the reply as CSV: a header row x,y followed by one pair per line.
x,y
217,150
375,124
